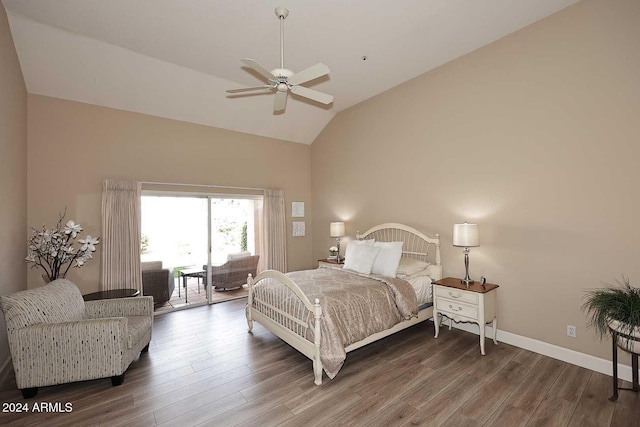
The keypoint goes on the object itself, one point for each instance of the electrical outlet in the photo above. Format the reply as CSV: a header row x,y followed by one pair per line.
x,y
571,331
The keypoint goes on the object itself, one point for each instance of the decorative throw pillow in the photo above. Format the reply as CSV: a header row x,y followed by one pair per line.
x,y
360,258
388,259
409,266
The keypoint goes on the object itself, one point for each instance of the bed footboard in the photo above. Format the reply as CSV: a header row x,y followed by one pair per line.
x,y
281,307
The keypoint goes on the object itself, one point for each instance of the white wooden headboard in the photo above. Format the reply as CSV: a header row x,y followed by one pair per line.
x,y
415,243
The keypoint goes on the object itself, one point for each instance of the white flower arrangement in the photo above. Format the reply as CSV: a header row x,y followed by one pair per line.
x,y
333,251
52,249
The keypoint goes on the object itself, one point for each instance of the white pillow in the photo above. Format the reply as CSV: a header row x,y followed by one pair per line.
x,y
359,258
409,266
388,259
368,242
422,286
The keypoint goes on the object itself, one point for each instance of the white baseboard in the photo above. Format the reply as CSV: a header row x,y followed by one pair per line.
x,y
593,363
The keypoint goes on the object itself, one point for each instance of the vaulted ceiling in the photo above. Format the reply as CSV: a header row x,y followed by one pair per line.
x,y
176,58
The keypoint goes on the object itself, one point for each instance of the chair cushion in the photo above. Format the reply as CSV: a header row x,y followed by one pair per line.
x,y
137,326
151,265
238,255
57,302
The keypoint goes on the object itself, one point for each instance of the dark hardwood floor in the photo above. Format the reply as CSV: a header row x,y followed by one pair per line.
x,y
203,368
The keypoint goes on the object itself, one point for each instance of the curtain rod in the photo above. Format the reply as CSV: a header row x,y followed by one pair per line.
x,y
202,185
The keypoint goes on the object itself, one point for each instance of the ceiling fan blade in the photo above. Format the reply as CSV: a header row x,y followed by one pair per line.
x,y
247,89
310,73
280,101
312,94
260,69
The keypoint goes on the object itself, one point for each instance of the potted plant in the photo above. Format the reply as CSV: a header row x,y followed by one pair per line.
x,y
617,308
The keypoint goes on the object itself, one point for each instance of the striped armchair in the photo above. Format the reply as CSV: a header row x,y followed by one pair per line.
x,y
55,337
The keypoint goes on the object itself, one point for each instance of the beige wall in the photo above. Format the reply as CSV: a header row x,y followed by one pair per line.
x,y
13,174
73,147
535,137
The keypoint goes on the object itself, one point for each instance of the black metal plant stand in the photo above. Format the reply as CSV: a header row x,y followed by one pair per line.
x,y
634,364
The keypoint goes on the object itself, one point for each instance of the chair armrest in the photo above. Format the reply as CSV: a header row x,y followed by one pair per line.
x,y
54,353
119,307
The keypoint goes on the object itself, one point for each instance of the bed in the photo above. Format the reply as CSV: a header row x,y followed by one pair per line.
x,y
310,311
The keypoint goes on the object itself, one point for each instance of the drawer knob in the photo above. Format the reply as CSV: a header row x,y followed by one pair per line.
x,y
451,294
454,309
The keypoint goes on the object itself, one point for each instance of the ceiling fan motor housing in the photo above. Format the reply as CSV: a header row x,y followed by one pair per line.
x,y
282,73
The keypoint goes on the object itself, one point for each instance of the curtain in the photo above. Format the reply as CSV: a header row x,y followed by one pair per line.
x,y
121,235
275,231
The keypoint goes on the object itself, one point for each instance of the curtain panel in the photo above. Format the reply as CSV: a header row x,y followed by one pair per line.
x,y
121,235
275,231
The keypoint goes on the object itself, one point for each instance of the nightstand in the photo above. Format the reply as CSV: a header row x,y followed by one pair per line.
x,y
331,263
475,304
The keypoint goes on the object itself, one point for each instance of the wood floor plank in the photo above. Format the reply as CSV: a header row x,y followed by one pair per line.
x,y
145,420
552,412
440,404
479,408
379,395
526,397
204,368
463,421
271,418
321,410
255,408
201,413
627,411
571,383
394,414
594,408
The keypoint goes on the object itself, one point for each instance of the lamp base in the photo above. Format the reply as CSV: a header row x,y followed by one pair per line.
x,y
467,282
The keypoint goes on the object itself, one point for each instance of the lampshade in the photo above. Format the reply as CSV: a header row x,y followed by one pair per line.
x,y
466,235
337,229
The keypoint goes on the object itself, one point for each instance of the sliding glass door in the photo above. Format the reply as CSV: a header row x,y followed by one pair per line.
x,y
195,236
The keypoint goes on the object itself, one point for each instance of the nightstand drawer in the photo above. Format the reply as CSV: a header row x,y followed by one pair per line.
x,y
457,295
456,308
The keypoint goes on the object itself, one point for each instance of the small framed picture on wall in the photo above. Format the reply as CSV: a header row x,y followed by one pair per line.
x,y
297,209
298,228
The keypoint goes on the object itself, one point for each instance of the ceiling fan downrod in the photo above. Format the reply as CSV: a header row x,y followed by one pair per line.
x,y
282,14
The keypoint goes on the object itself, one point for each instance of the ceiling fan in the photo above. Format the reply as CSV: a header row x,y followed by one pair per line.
x,y
282,80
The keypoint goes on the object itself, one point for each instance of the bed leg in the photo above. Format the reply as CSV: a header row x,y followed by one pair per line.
x,y
317,371
317,362
249,319
249,302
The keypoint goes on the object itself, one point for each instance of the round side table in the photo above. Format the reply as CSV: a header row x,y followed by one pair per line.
x,y
114,293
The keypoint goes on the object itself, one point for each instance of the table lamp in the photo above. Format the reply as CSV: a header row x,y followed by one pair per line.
x,y
336,230
466,236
